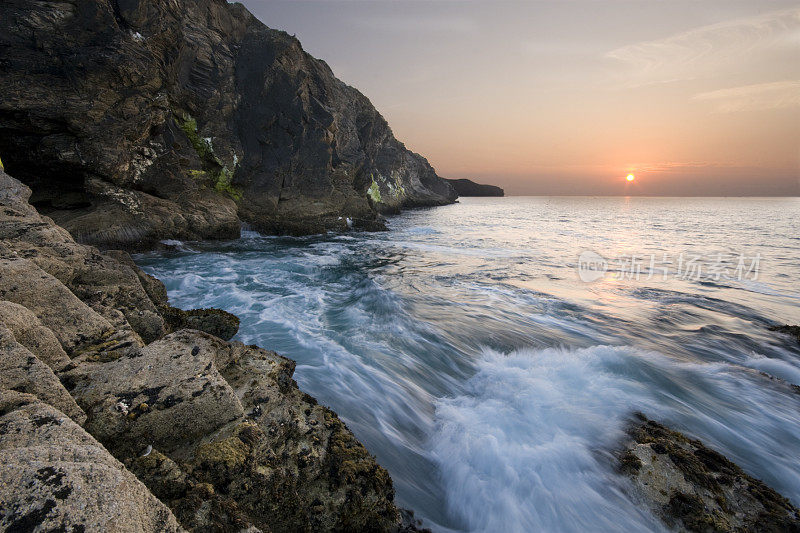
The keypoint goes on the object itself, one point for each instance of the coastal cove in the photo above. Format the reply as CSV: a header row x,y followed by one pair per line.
x,y
234,300
463,350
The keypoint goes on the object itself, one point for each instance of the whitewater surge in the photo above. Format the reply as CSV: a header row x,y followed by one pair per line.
x,y
495,387
541,426
537,426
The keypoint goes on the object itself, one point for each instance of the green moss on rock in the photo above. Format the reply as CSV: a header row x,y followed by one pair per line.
x,y
221,177
203,148
374,192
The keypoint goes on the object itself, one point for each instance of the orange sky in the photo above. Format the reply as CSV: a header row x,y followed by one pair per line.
x,y
568,97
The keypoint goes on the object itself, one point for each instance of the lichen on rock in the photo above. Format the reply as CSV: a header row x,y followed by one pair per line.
x,y
693,488
218,431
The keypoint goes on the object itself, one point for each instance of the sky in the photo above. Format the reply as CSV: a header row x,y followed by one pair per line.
x,y
570,96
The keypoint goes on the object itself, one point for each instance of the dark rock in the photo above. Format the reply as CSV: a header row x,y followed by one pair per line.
x,y
794,331
216,322
465,187
145,120
693,488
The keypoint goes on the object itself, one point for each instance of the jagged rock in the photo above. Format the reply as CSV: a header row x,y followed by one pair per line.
x,y
213,321
166,395
794,331
22,371
113,289
693,488
56,477
29,332
289,465
465,187
217,430
196,504
144,120
153,287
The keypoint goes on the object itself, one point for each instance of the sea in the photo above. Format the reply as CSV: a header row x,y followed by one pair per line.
x,y
491,353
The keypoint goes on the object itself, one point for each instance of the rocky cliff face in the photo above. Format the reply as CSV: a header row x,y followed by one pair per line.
x,y
140,120
115,418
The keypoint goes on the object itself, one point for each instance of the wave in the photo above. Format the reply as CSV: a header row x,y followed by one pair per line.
x,y
520,448
527,444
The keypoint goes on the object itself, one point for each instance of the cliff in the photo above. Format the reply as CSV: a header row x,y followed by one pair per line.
x,y
140,120
465,187
116,416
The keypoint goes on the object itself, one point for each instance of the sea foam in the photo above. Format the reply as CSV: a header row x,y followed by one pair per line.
x,y
523,447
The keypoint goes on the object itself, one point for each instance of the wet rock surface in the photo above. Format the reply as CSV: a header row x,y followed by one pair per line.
x,y
215,430
793,331
144,120
693,488
213,321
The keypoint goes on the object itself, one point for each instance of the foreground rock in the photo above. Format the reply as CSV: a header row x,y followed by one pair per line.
x,y
465,187
217,431
693,488
56,477
144,120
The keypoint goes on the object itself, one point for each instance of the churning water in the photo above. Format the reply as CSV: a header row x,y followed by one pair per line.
x,y
463,349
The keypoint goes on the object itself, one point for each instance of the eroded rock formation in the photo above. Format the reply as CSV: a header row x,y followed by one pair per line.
x,y
217,431
140,120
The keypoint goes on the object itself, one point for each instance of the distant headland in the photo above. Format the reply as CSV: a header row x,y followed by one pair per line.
x,y
465,187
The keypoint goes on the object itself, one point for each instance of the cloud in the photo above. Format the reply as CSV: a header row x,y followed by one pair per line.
x,y
781,94
700,51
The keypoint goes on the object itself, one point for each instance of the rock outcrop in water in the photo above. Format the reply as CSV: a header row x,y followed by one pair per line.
x,y
140,120
693,488
100,382
794,331
465,187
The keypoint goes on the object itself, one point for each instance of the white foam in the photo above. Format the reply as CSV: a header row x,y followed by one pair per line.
x,y
520,449
525,445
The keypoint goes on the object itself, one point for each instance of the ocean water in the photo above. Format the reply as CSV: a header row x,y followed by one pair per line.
x,y
464,349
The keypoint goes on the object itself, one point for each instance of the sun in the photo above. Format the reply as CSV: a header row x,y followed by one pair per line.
x,y
630,177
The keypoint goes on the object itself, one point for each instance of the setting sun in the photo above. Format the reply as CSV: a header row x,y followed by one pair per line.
x,y
630,177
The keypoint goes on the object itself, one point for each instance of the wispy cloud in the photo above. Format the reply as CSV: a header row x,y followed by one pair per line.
x,y
761,96
699,51
679,166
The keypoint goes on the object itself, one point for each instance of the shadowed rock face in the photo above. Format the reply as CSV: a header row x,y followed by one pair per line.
x,y
465,187
139,120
